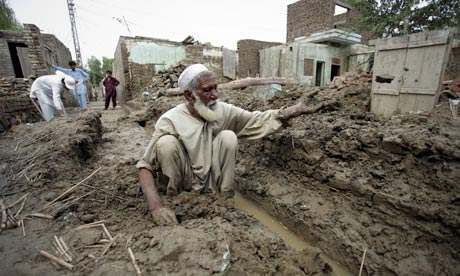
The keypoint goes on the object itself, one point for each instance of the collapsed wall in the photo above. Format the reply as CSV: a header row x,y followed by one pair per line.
x,y
15,104
138,59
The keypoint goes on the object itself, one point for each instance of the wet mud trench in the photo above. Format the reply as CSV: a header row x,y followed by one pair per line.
x,y
293,240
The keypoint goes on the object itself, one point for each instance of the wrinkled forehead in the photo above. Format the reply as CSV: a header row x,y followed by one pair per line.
x,y
206,81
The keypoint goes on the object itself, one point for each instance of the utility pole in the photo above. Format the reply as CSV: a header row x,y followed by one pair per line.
x,y
73,25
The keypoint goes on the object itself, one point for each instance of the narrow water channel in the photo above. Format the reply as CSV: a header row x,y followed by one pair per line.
x,y
289,237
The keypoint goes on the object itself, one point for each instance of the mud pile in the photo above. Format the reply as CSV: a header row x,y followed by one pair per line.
x,y
44,150
348,180
79,150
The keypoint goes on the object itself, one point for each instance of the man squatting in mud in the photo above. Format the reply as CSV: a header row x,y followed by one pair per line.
x,y
194,145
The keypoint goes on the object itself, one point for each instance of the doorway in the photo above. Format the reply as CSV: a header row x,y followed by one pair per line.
x,y
335,71
19,59
319,73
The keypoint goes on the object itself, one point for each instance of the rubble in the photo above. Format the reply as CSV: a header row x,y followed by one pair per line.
x,y
165,79
348,79
15,104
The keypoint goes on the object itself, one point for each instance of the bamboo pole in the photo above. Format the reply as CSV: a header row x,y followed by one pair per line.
x,y
56,260
362,262
133,259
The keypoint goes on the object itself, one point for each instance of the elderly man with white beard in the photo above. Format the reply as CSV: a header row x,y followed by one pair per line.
x,y
195,144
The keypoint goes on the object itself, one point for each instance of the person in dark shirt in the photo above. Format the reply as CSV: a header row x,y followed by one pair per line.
x,y
110,83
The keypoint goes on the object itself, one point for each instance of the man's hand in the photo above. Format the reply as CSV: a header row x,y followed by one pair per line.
x,y
304,107
163,217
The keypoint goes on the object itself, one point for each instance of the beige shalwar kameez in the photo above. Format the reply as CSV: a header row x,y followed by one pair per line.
x,y
195,154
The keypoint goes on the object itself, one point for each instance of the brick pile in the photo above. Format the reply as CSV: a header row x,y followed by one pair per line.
x,y
15,104
348,80
165,79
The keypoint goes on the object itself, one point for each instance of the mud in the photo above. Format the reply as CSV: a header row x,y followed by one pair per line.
x,y
344,180
106,145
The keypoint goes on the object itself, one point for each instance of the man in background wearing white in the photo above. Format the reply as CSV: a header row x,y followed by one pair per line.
x,y
47,91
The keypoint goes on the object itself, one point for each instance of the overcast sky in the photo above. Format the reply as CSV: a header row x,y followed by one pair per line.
x,y
220,22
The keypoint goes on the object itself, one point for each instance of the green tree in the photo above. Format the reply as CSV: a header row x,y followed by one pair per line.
x,y
8,20
94,69
107,64
386,18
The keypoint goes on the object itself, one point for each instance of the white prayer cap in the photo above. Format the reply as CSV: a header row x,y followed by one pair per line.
x,y
189,74
68,80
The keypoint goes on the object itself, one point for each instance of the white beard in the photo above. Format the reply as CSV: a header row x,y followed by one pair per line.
x,y
208,113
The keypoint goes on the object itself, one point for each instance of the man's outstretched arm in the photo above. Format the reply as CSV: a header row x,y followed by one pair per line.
x,y
161,215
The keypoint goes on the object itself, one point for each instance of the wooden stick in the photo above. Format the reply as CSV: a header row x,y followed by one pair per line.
x,y
23,228
109,245
24,171
88,226
91,224
38,109
16,202
22,206
40,215
107,232
56,260
54,212
66,248
362,262
133,259
16,148
74,187
57,249
4,216
61,249
129,240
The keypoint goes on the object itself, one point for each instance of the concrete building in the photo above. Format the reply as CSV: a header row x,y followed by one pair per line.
x,y
306,17
317,59
138,58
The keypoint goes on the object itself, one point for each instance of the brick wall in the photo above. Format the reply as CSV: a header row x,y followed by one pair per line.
x,y
134,77
15,104
41,51
197,54
6,66
309,16
306,17
56,52
38,52
121,70
141,76
249,57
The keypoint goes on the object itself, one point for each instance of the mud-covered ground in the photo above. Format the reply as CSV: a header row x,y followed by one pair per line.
x,y
347,180
100,148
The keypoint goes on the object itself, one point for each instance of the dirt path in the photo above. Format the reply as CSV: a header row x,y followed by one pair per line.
x,y
106,145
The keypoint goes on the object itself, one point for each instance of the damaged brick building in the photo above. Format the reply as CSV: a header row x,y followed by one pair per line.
x,y
137,59
316,49
24,54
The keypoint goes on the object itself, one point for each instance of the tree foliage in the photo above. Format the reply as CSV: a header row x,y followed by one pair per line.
x,y
107,64
8,20
94,69
386,18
